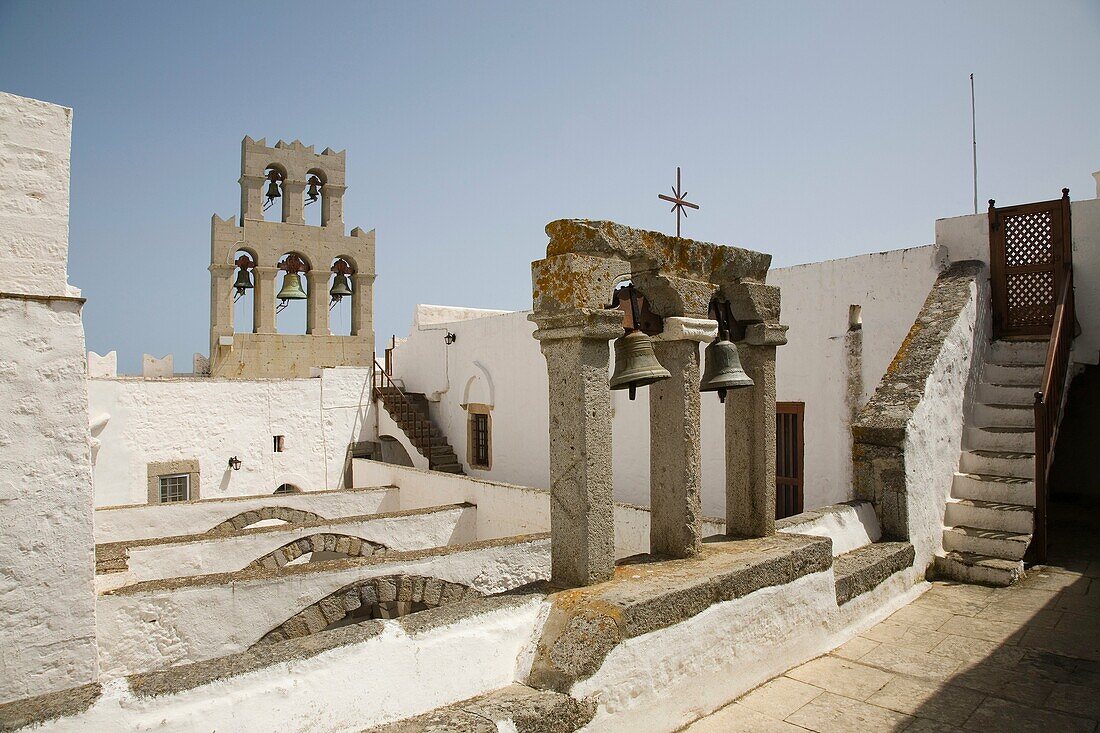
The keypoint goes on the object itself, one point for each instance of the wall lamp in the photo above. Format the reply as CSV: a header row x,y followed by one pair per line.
x,y
450,338
235,463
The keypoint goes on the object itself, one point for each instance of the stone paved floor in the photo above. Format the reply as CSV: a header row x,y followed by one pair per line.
x,y
959,658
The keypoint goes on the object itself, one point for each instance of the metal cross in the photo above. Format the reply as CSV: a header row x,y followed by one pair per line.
x,y
679,201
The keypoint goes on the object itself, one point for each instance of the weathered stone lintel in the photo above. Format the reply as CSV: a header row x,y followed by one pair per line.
x,y
862,570
678,328
36,710
766,334
589,324
586,624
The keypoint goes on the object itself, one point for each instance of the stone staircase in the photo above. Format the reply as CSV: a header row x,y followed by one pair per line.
x,y
410,411
990,515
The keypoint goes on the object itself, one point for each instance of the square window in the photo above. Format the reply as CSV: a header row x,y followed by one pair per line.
x,y
174,488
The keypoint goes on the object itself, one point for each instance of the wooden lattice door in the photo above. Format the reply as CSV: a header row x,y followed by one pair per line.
x,y
1029,250
790,446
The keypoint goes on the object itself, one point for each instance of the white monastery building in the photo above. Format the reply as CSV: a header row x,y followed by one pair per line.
x,y
619,510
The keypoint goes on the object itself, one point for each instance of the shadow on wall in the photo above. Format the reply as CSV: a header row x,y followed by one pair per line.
x,y
393,452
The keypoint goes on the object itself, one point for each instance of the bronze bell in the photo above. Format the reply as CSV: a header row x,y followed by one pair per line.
x,y
244,281
635,363
723,369
340,286
292,288
273,191
313,193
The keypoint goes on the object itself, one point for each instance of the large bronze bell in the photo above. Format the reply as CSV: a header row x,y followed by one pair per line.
x,y
340,286
723,369
292,288
635,363
273,191
244,281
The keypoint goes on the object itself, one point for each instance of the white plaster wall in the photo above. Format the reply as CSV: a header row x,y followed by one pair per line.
x,y
496,361
402,533
334,690
214,419
145,521
34,196
890,287
47,636
159,627
504,510
661,681
934,434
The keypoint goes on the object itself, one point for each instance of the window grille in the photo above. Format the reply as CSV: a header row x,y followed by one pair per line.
x,y
175,488
481,439
278,443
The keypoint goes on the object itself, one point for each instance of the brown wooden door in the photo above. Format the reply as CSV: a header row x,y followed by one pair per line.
x,y
1029,249
790,447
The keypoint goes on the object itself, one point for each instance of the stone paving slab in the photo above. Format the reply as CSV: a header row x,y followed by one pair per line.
x,y
959,658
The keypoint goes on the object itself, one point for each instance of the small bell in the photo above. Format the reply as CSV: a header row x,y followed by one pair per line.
x,y
635,363
314,192
292,288
723,369
340,286
273,191
243,282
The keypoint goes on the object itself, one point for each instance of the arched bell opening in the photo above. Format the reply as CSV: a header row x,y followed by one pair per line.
x,y
243,290
341,297
293,296
274,201
313,204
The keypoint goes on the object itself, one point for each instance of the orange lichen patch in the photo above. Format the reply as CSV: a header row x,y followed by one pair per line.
x,y
903,350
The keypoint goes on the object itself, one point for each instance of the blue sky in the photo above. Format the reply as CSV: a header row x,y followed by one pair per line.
x,y
807,130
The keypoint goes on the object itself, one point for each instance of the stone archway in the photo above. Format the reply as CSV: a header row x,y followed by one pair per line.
x,y
245,519
380,597
341,544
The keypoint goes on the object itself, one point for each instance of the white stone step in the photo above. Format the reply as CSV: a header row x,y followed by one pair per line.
x,y
970,567
1019,352
1007,394
1004,416
997,489
1003,439
1013,374
991,542
1004,516
1019,464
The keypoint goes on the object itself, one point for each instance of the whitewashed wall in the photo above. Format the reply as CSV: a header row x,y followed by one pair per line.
x,y
495,361
149,420
46,584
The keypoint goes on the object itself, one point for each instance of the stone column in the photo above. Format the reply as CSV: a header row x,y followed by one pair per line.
x,y
362,304
252,197
221,300
317,311
263,305
332,206
750,437
582,520
675,462
292,202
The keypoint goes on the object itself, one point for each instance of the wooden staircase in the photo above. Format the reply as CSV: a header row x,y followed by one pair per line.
x,y
410,411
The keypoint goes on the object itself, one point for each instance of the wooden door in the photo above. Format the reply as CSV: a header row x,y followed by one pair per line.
x,y
1029,249
790,446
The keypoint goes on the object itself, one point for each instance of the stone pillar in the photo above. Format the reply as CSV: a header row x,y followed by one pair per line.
x,y
263,306
332,206
317,311
221,300
252,197
582,520
750,437
675,462
362,304
293,203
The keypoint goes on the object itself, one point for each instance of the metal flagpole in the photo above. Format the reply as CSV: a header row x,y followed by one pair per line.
x,y
974,140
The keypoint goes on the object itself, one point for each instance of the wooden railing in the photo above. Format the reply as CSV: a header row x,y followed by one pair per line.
x,y
417,430
1048,402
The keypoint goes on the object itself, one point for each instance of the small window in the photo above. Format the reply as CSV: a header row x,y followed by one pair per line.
x,y
175,488
481,440
277,443
479,436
